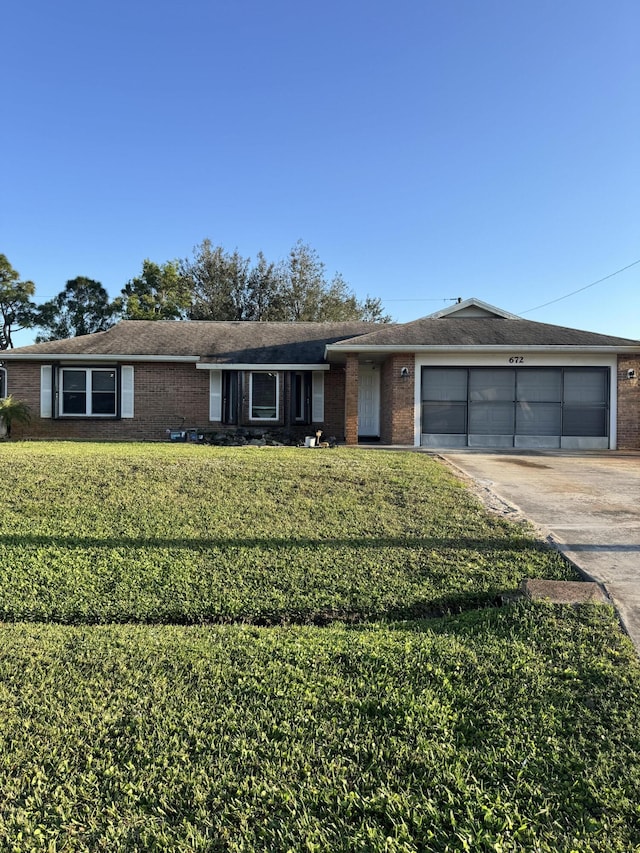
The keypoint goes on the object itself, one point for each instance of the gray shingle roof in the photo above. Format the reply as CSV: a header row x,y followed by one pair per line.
x,y
482,331
304,343
212,341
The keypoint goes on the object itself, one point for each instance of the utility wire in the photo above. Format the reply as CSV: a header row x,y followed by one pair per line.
x,y
580,289
419,299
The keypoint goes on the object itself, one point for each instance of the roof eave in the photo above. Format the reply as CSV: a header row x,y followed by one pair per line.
x,y
401,348
82,356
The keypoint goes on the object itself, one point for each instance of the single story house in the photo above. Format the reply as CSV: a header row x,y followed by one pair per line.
x,y
471,375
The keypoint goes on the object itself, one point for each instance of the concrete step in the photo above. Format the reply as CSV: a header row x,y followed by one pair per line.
x,y
565,592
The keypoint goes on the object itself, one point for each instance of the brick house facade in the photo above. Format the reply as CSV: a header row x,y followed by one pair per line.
x,y
471,375
628,388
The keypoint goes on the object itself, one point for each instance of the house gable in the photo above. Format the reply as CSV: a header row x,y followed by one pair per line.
x,y
472,308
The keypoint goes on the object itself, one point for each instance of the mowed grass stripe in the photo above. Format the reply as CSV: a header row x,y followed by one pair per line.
x,y
188,534
512,729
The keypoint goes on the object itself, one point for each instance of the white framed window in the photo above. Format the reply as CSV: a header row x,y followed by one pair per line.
x,y
301,397
3,383
264,396
88,392
307,396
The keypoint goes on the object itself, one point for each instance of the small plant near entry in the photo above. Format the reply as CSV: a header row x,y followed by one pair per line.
x,y
13,411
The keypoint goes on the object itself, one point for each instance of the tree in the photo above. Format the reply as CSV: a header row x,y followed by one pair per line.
x,y
158,293
265,292
304,283
16,307
309,296
83,307
373,312
218,282
227,287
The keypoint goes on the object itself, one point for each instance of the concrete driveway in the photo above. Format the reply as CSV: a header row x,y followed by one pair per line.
x,y
587,503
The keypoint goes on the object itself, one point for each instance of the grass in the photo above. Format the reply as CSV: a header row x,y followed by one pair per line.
x,y
494,729
512,729
185,535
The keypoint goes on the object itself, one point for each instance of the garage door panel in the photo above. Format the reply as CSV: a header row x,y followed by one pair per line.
x,y
491,418
489,440
444,440
494,385
573,442
538,419
444,417
584,421
537,442
447,383
515,407
585,386
539,386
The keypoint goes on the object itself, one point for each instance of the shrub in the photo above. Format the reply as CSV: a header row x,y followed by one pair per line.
x,y
13,411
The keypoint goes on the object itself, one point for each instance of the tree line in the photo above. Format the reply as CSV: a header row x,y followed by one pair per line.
x,y
213,284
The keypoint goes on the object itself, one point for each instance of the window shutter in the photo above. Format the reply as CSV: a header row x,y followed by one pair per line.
x,y
215,395
317,397
126,390
46,390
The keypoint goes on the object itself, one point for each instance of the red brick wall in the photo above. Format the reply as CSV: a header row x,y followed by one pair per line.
x,y
397,400
351,399
334,395
23,383
628,403
165,394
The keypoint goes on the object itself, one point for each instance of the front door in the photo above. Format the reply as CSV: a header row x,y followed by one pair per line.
x,y
369,401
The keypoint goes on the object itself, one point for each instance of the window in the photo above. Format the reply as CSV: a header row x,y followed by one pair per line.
x,y
230,396
307,397
301,393
89,391
263,397
3,382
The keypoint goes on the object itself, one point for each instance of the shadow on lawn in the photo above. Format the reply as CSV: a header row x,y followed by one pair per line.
x,y
453,604
432,543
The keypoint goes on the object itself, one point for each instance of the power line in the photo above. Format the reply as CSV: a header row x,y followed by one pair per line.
x,y
382,299
580,289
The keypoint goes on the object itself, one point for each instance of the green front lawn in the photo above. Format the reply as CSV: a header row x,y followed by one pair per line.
x,y
515,729
188,534
512,728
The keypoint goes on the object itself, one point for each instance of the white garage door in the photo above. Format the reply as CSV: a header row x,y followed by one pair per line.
x,y
515,407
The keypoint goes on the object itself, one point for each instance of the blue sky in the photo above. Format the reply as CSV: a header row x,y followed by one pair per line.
x,y
427,150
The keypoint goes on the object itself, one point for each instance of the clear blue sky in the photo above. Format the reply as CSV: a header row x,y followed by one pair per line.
x,y
427,150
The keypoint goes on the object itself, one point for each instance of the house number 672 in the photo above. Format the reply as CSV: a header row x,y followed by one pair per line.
x,y
516,359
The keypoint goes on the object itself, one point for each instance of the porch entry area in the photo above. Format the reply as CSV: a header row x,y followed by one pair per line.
x,y
528,407
368,402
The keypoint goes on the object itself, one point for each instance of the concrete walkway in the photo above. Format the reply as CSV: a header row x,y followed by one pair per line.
x,y
587,503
